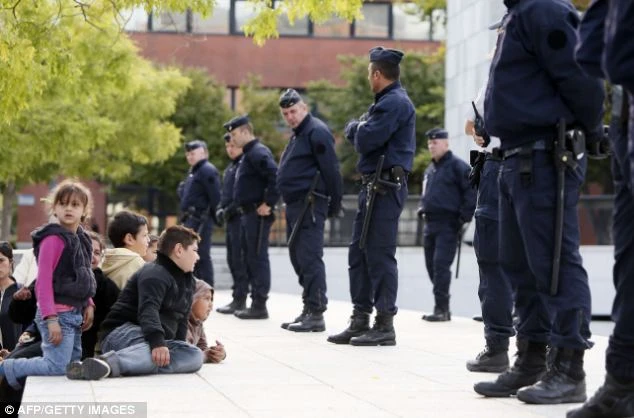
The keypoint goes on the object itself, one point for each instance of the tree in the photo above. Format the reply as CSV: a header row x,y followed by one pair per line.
x,y
422,75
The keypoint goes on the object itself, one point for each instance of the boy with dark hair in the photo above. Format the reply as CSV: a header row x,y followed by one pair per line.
x,y
145,331
128,233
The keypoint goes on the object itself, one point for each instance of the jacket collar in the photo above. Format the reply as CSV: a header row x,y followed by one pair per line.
x,y
302,125
171,267
395,85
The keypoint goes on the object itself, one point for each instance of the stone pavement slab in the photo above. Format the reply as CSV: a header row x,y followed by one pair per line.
x,y
270,372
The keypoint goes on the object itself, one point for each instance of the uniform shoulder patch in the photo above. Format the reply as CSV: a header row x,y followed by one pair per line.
x,y
320,149
263,163
557,39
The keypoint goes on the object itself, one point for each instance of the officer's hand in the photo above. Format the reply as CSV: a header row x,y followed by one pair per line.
x,y
336,211
351,128
598,147
220,217
264,210
463,225
420,213
364,117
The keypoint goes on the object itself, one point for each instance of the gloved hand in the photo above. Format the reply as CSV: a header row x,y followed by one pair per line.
x,y
364,117
598,146
351,129
463,225
335,210
420,213
220,217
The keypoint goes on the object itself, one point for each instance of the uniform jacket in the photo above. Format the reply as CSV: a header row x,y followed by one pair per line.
x,y
256,176
201,189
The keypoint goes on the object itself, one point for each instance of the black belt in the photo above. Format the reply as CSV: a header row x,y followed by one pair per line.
x,y
385,175
247,208
539,145
495,155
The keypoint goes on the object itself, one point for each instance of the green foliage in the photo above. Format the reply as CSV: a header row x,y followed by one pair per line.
x,y
422,75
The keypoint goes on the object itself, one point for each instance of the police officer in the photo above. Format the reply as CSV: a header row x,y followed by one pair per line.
x,y
255,194
495,290
447,204
199,195
533,83
311,150
615,398
385,133
228,214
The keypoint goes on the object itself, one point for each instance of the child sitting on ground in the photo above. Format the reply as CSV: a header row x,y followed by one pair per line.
x,y
201,307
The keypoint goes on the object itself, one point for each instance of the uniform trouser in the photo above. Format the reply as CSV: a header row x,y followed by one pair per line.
x,y
620,353
440,239
235,260
373,271
495,291
252,228
204,269
308,251
527,231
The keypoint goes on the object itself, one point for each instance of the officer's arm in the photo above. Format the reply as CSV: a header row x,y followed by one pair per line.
x,y
323,144
468,203
212,188
377,130
619,48
265,164
550,28
590,44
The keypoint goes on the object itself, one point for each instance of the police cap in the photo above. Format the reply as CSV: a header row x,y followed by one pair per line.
x,y
393,56
197,143
289,98
236,122
437,133
227,137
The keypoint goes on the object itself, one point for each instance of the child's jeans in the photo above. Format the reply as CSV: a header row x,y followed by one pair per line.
x,y
54,358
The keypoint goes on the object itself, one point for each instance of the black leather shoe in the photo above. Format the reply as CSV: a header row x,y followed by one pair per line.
x,y
359,324
258,312
297,319
312,322
382,333
554,388
439,315
612,399
235,305
489,361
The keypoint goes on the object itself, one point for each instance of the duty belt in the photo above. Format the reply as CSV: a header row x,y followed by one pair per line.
x,y
385,175
247,208
539,145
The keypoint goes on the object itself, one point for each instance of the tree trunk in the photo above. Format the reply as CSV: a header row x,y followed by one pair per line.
x,y
8,197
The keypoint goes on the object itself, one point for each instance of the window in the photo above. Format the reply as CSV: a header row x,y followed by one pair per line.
x,y
218,22
244,11
299,27
169,22
335,27
135,20
375,23
438,22
408,24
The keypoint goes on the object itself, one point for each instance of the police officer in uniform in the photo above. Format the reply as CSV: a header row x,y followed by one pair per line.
x,y
311,149
447,204
495,290
533,82
255,194
386,132
228,214
199,195
615,398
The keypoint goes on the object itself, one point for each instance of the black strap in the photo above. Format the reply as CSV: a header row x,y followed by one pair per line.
x,y
526,165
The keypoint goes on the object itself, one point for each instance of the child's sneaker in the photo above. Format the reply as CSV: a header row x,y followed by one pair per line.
x,y
90,369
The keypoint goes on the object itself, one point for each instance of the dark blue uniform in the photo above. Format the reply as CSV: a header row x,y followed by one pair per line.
x,y
235,258
615,19
389,130
448,201
533,82
311,148
254,185
199,196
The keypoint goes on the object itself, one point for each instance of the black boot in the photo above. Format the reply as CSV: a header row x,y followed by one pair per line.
x,y
237,304
528,368
382,333
297,319
612,399
439,315
565,382
256,311
359,324
493,359
311,322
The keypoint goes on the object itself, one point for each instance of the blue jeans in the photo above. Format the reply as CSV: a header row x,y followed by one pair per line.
x,y
128,354
54,358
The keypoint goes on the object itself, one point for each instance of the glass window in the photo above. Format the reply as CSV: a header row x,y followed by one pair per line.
x,y
375,22
244,11
135,20
335,27
218,22
407,22
284,27
439,25
169,22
